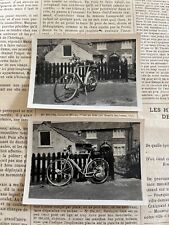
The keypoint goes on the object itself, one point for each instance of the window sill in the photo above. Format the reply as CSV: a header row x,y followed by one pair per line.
x,y
67,56
45,146
94,138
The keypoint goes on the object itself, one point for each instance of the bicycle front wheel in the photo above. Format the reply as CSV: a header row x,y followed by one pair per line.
x,y
99,170
66,87
59,172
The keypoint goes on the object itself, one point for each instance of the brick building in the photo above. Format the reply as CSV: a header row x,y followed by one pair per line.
x,y
114,141
54,137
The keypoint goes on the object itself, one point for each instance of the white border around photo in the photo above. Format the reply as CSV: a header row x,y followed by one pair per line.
x,y
119,37
39,201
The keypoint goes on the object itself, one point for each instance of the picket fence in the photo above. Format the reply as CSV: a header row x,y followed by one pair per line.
x,y
48,73
40,163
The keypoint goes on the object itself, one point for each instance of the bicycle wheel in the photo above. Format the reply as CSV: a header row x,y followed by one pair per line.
x,y
99,168
66,87
59,172
91,82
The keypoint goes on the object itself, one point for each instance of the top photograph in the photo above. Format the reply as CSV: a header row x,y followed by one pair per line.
x,y
91,72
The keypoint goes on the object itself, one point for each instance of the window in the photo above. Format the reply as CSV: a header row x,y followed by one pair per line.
x,y
128,57
126,45
119,133
44,138
119,149
67,50
101,46
91,135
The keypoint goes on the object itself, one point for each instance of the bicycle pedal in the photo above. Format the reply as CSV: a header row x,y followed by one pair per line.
x,y
82,179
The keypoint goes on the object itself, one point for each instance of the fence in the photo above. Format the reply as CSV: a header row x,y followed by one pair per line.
x,y
48,73
41,162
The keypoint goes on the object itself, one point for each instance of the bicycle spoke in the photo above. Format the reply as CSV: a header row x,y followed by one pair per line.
x,y
65,169
65,174
65,88
100,170
59,172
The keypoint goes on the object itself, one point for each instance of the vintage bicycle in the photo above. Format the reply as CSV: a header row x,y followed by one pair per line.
x,y
69,85
60,172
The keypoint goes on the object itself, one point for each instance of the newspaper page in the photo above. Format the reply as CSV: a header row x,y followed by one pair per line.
x,y
152,22
21,19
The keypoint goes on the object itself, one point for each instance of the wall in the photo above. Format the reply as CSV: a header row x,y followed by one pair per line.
x,y
58,142
56,56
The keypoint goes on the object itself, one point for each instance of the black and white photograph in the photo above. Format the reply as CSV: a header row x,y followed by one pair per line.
x,y
85,162
98,72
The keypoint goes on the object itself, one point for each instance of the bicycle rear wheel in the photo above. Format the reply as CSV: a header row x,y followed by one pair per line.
x,y
99,168
91,82
59,172
66,87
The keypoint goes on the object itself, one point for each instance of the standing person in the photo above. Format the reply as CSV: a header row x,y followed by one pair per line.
x,y
124,68
107,153
105,59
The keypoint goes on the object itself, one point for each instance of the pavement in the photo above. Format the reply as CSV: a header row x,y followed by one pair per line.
x,y
121,189
107,93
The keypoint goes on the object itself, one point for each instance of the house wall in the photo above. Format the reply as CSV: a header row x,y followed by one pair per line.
x,y
56,56
117,48
121,52
107,136
136,134
58,142
132,133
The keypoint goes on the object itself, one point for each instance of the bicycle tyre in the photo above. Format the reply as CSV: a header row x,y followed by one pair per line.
x,y
100,169
91,82
59,172
66,87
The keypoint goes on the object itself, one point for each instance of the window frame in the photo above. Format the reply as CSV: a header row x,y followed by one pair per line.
x,y
39,139
119,137
91,132
129,58
126,45
121,146
67,56
99,46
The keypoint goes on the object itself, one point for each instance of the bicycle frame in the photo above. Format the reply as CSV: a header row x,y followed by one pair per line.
x,y
70,84
96,170
78,168
86,74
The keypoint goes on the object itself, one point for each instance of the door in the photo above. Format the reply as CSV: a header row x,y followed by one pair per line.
x,y
114,66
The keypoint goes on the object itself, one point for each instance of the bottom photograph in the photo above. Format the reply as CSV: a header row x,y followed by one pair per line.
x,y
84,162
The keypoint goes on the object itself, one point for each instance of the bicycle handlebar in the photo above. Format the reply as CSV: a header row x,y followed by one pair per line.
x,y
69,151
77,60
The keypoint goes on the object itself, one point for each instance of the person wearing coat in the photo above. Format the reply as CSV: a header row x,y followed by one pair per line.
x,y
124,68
